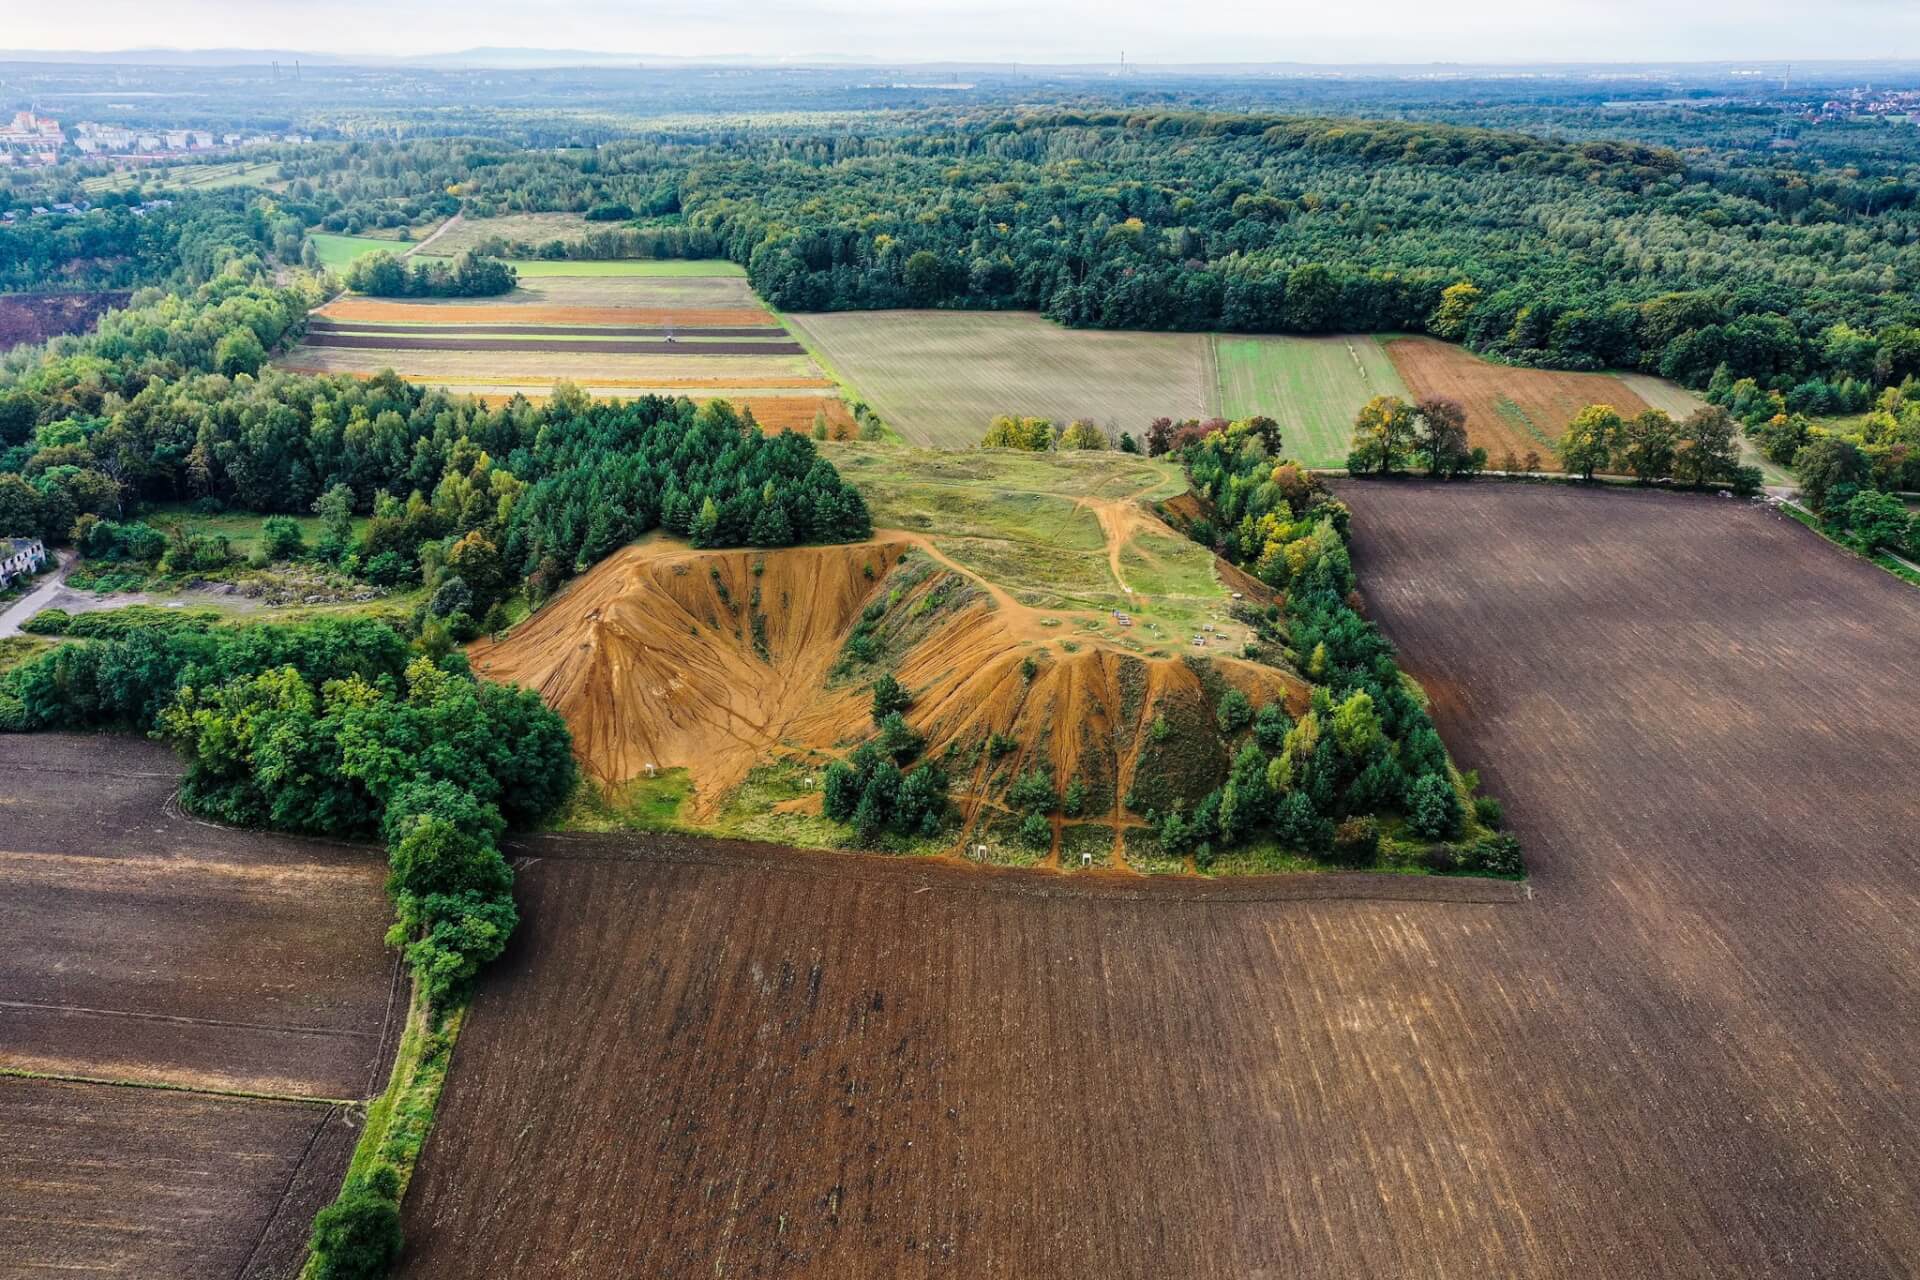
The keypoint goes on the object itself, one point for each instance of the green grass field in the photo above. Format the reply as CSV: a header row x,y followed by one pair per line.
x,y
1312,386
337,253
202,176
241,528
532,267
1029,522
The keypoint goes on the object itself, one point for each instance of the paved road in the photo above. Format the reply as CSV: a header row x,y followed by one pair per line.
x,y
39,598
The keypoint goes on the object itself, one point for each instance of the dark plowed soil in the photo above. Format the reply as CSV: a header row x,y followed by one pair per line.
x,y
320,324
143,946
35,317
150,1184
155,948
1689,1054
610,348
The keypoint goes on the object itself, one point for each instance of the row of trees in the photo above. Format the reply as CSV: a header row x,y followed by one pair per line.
x,y
1365,747
1037,435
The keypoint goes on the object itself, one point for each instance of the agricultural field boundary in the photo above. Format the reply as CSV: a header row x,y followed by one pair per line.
x,y
951,874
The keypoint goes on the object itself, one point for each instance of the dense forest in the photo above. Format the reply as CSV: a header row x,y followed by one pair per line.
x,y
1578,255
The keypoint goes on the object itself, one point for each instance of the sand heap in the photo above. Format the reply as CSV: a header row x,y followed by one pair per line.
x,y
716,660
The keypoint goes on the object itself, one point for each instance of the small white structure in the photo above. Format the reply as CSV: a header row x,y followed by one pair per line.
x,y
20,557
651,771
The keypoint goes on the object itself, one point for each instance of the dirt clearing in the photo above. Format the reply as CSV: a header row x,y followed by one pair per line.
x,y
1688,1054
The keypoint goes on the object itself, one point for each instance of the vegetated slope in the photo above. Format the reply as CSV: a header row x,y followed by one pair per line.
x,y
1687,1052
35,317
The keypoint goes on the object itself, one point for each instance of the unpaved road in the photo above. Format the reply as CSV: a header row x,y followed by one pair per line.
x,y
1689,1053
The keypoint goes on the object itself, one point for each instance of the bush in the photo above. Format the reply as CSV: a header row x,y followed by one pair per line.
x,y
889,696
1356,842
1033,792
1496,855
1076,798
357,1237
1235,712
281,539
1036,832
1487,811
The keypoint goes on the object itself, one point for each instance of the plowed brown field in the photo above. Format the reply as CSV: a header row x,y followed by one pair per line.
x,y
534,313
1688,1052
1508,407
147,948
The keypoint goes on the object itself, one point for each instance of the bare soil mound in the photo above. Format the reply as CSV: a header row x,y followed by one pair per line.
x,y
716,661
700,659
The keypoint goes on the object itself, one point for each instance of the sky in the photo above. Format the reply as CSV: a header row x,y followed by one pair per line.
x,y
1002,31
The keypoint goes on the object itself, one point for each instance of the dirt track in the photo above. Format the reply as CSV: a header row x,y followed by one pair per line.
x,y
143,946
1689,1054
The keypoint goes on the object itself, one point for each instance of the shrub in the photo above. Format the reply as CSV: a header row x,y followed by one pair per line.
x,y
1487,811
1076,798
281,539
1495,855
1036,832
1356,842
1235,712
357,1237
1033,792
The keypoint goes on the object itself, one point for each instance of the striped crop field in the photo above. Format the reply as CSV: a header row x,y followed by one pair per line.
x,y
615,334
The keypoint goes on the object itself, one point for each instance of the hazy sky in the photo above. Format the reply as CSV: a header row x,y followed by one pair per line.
x,y
999,30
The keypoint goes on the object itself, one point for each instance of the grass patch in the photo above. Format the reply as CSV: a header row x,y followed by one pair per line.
x,y
1312,386
642,804
337,252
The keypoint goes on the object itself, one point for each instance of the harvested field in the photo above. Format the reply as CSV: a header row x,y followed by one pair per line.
x,y
35,317
939,377
322,324
1312,386
541,367
487,344
1508,408
560,328
530,268
379,311
151,949
1687,1053
513,228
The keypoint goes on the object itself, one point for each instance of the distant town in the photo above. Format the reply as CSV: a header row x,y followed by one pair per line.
x,y
32,139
